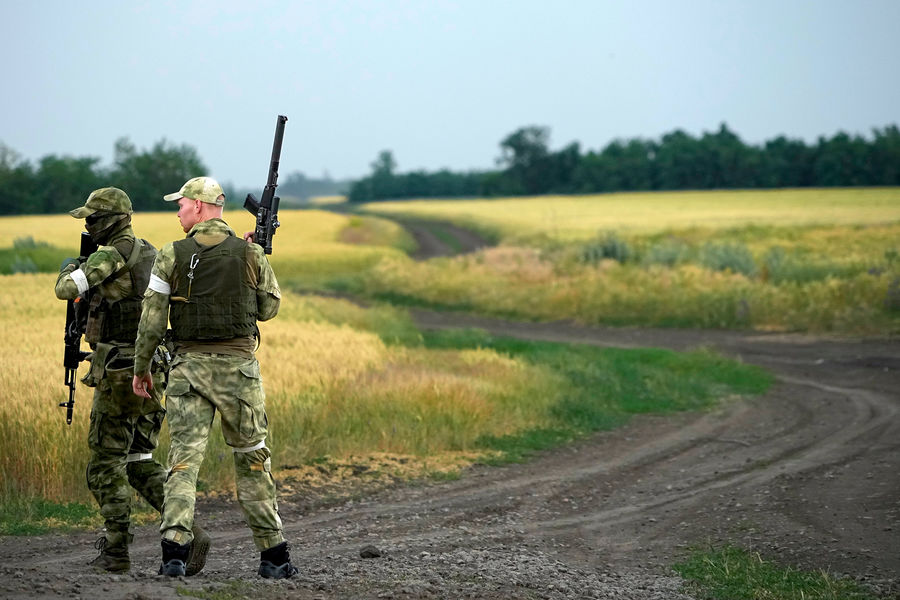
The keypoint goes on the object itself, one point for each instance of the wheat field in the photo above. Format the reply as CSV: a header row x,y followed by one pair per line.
x,y
334,387
337,386
575,218
816,260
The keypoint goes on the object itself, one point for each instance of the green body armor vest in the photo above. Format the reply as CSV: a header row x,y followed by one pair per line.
x,y
212,298
118,321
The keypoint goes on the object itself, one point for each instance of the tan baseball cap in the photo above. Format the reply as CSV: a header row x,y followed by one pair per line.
x,y
204,189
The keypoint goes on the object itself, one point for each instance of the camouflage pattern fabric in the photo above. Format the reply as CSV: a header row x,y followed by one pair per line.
x,y
199,385
99,265
108,199
155,309
204,189
121,439
124,428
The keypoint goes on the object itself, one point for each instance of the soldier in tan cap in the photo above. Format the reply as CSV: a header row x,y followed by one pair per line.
x,y
213,286
124,428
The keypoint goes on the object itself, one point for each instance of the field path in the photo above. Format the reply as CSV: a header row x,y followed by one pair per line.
x,y
808,474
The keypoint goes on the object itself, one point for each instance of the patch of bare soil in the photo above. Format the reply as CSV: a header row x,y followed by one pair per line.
x,y
436,238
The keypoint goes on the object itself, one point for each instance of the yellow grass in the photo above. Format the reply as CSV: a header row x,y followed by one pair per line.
x,y
310,243
335,388
332,390
822,259
324,380
300,231
571,218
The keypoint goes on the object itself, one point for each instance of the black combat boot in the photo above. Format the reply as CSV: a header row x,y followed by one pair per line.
x,y
199,548
113,556
275,563
174,558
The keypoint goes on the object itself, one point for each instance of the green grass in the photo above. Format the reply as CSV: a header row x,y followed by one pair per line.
x,y
735,574
29,256
602,387
37,516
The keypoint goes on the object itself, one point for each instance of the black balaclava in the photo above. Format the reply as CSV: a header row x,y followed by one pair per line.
x,y
102,226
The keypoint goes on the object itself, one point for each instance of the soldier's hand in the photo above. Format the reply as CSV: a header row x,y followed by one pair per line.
x,y
142,384
249,236
70,264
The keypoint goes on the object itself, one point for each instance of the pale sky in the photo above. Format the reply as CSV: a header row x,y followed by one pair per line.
x,y
438,82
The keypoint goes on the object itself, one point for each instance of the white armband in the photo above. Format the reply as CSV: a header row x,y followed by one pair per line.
x,y
160,286
261,444
138,457
80,280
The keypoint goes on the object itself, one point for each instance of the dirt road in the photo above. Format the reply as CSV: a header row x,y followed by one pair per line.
x,y
808,474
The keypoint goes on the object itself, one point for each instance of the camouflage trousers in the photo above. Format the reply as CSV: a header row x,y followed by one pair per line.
x,y
123,433
199,385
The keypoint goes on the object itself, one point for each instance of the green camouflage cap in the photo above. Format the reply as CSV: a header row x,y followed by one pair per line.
x,y
204,189
108,199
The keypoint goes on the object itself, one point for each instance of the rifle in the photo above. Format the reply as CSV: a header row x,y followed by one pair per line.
x,y
266,209
76,319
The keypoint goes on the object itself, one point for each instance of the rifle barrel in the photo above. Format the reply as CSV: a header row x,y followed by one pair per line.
x,y
276,152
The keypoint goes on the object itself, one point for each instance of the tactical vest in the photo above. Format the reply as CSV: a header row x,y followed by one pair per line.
x,y
119,320
212,298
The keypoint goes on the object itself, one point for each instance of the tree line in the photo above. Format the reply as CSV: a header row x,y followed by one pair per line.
x,y
677,161
57,184
526,166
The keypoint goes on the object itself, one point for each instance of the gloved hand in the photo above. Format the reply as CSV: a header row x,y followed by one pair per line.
x,y
68,265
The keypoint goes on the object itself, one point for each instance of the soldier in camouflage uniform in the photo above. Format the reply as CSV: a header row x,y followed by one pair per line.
x,y
213,286
124,428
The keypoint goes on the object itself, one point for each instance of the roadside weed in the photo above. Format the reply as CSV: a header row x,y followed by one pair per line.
x,y
734,574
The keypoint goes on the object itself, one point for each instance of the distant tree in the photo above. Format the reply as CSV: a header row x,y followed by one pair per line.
x,y
18,186
526,158
563,165
727,162
637,165
380,184
678,164
885,155
384,183
384,164
843,161
65,182
622,165
147,176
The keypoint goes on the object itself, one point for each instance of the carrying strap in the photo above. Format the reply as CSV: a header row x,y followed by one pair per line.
x,y
130,262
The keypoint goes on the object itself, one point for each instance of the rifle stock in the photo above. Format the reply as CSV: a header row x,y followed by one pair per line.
x,y
266,208
76,318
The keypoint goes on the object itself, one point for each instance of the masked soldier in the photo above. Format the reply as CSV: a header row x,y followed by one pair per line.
x,y
213,286
124,428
